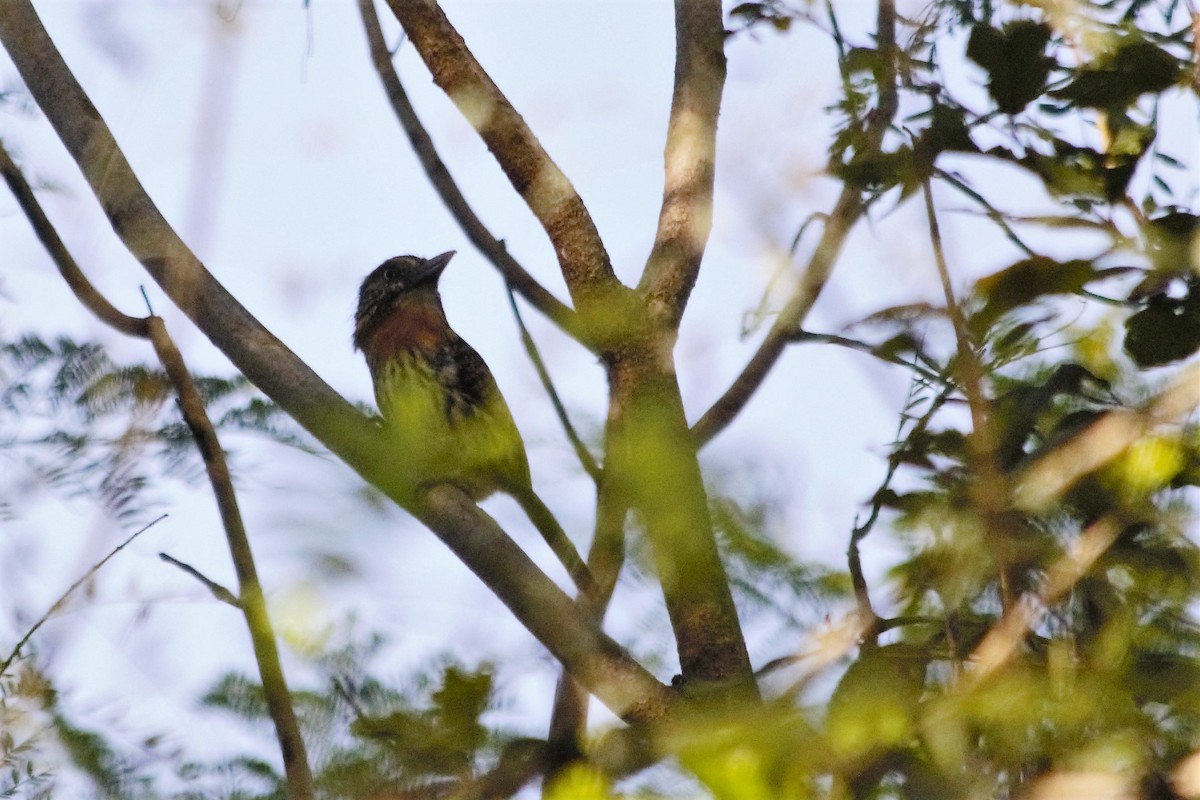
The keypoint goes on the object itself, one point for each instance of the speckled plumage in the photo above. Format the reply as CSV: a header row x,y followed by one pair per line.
x,y
439,402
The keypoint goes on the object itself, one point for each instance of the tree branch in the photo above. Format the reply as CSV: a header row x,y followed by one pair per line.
x,y
251,602
542,185
988,483
24,640
599,663
92,300
298,774
439,176
568,718
1001,642
846,212
586,460
685,219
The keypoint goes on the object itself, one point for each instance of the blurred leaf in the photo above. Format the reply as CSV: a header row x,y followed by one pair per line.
x,y
874,707
1127,69
1167,329
1015,59
1026,281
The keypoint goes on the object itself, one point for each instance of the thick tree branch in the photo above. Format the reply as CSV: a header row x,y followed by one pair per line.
x,y
542,185
599,663
846,212
439,176
685,219
654,461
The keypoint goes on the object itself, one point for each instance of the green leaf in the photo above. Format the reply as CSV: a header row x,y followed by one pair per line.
x,y
874,707
1015,59
1166,330
1117,77
1026,281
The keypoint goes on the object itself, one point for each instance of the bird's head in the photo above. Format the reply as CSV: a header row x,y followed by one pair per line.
x,y
398,279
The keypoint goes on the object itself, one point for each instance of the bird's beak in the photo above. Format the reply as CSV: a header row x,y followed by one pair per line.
x,y
432,268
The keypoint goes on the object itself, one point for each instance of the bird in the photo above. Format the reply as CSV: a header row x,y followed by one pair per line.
x,y
440,405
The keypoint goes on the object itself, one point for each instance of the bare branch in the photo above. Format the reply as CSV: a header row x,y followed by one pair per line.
x,y
251,601
989,485
439,176
1001,642
599,663
568,719
217,590
543,186
685,220
16,651
820,266
297,772
92,300
846,212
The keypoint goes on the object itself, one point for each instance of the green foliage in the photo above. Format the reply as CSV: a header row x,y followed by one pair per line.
x,y
1009,647
73,420
368,739
1014,56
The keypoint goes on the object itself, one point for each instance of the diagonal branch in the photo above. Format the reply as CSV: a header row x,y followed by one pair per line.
x,y
820,266
439,176
1055,472
62,598
251,601
846,212
685,220
595,659
542,185
586,459
92,300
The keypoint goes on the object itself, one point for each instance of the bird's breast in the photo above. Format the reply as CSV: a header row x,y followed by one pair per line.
x,y
403,331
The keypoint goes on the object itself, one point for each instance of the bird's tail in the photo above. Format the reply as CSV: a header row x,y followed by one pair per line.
x,y
556,537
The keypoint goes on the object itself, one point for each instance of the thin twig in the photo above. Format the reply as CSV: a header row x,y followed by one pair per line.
x,y
295,758
606,556
586,460
849,207
993,213
253,604
989,486
218,591
443,182
16,651
72,274
546,190
803,337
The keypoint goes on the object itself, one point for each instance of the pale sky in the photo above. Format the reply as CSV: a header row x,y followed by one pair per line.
x,y
268,143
